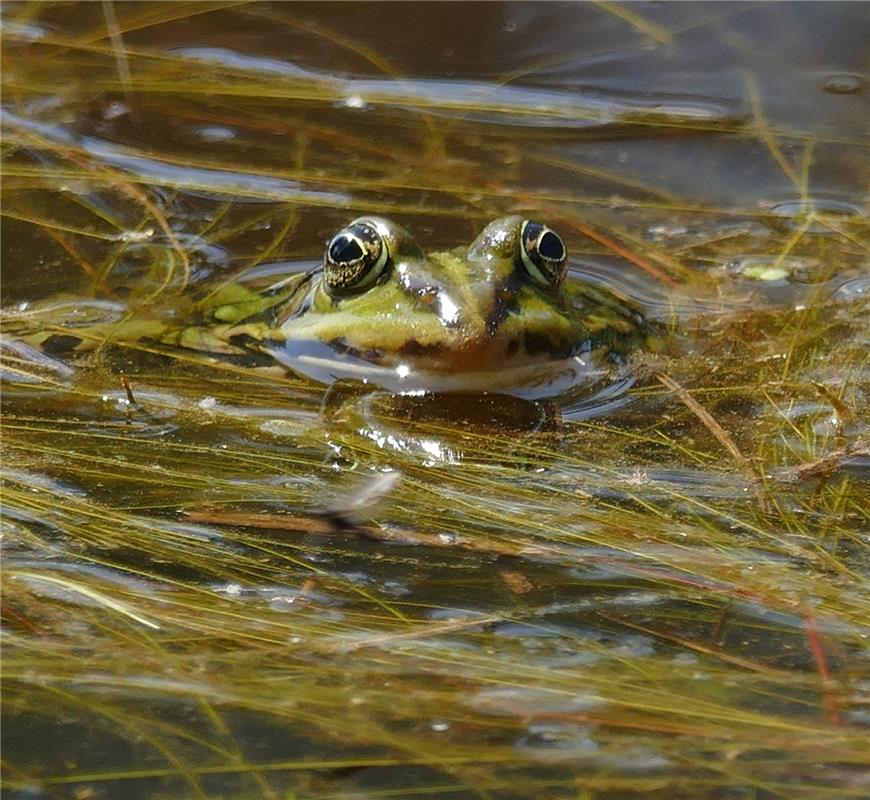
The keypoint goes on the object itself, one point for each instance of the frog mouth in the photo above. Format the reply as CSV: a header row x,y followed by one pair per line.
x,y
472,354
531,380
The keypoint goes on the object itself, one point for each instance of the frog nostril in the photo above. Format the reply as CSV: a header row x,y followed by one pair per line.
x,y
505,294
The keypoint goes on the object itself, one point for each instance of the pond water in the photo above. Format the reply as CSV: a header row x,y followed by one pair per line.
x,y
226,580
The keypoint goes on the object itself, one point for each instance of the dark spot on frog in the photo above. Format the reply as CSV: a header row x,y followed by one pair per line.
x,y
413,348
257,352
537,343
504,302
410,348
341,346
60,343
243,341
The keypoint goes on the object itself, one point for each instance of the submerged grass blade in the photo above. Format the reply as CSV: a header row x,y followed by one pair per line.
x,y
74,587
604,607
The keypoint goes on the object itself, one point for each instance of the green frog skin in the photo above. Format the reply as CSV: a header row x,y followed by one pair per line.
x,y
498,316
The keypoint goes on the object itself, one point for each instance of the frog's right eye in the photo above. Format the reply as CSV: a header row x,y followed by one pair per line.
x,y
355,257
543,253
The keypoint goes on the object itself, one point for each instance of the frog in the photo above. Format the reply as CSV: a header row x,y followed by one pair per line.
x,y
498,316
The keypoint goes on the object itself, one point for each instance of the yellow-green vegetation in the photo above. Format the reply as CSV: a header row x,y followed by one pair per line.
x,y
221,580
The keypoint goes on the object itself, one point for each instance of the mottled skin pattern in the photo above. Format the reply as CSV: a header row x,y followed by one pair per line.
x,y
463,310
467,319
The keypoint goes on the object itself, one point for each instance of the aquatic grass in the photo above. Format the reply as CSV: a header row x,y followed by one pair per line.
x,y
668,600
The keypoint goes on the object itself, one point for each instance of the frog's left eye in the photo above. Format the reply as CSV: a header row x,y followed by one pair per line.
x,y
543,253
354,259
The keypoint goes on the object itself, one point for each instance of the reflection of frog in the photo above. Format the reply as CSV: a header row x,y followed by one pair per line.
x,y
498,316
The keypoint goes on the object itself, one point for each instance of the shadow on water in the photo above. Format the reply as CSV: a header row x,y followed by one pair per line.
x,y
222,579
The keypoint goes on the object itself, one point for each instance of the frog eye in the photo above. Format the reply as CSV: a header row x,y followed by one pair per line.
x,y
354,259
543,253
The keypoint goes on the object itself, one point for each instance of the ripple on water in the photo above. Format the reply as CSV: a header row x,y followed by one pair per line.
x,y
23,365
66,313
481,101
195,181
817,215
142,418
842,83
568,741
37,482
282,598
519,701
74,584
23,33
854,289
558,741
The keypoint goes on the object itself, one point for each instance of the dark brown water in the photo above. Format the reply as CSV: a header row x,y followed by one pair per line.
x,y
241,585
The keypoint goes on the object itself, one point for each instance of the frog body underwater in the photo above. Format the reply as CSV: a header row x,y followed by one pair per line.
x,y
498,316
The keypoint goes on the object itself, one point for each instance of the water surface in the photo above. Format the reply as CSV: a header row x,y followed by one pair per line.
x,y
240,585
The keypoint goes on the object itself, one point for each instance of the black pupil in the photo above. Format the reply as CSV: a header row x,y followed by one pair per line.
x,y
345,250
550,246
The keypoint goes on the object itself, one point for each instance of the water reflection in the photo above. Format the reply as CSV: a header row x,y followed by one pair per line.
x,y
422,596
